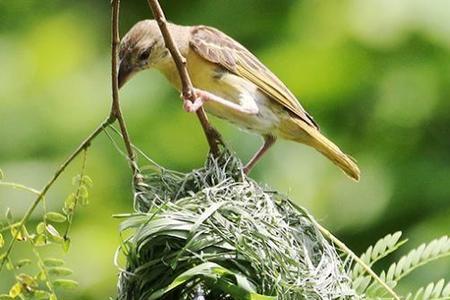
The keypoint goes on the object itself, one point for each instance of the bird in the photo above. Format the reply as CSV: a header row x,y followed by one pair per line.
x,y
230,83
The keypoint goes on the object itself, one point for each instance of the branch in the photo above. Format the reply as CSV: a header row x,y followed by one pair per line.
x,y
347,250
115,115
83,146
19,186
212,135
116,112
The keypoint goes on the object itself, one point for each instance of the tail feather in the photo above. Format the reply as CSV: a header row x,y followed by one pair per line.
x,y
318,141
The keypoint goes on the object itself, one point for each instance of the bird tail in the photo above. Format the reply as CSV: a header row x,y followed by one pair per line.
x,y
312,137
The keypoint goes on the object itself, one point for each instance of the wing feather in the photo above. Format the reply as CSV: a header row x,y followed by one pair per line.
x,y
216,47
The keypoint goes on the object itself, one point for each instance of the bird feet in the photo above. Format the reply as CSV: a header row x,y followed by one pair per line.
x,y
200,99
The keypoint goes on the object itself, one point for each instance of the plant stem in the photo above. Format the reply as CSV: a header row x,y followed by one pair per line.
x,y
212,135
84,145
19,186
115,115
116,112
347,250
77,196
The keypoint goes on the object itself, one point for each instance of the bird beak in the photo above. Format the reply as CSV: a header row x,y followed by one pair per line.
x,y
125,72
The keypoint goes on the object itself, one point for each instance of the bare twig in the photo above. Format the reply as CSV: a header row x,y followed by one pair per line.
x,y
212,135
115,115
84,145
116,112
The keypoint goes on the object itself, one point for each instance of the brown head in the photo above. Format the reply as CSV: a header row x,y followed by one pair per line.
x,y
141,48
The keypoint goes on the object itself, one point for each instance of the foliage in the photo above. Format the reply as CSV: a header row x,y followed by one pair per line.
x,y
374,74
215,232
416,258
438,290
43,275
217,229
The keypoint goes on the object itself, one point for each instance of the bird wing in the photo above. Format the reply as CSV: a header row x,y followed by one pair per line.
x,y
218,48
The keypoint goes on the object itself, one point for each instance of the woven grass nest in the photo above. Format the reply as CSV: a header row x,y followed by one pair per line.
x,y
214,233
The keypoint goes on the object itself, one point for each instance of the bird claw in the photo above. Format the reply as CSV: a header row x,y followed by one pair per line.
x,y
190,106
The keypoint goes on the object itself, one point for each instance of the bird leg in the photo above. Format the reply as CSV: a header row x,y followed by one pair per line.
x,y
269,140
247,106
203,96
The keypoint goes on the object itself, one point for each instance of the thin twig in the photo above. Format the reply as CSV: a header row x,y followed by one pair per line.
x,y
7,228
115,115
84,145
19,186
347,250
212,135
116,112
139,151
44,271
77,195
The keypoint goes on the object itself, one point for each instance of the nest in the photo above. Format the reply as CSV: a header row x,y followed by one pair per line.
x,y
216,234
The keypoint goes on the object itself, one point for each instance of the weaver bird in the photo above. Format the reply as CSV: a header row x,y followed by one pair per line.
x,y
231,83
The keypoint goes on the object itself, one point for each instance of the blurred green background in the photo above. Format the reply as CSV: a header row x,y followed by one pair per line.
x,y
375,74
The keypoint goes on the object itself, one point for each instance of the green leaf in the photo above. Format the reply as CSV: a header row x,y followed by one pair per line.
x,y
15,290
40,228
54,234
53,262
27,280
86,180
22,263
76,180
420,256
84,201
206,214
5,297
55,217
382,248
2,175
438,290
217,273
65,283
83,192
69,203
41,276
2,241
40,240
416,258
9,265
60,271
41,294
83,195
19,233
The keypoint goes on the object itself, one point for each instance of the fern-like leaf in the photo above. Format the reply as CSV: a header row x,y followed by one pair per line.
x,y
382,248
361,283
435,291
376,291
420,256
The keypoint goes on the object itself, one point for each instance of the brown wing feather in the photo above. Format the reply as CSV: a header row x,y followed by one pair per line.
x,y
217,47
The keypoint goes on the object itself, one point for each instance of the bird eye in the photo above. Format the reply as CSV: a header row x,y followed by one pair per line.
x,y
144,55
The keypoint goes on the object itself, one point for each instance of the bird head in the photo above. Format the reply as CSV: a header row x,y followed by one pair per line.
x,y
141,48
